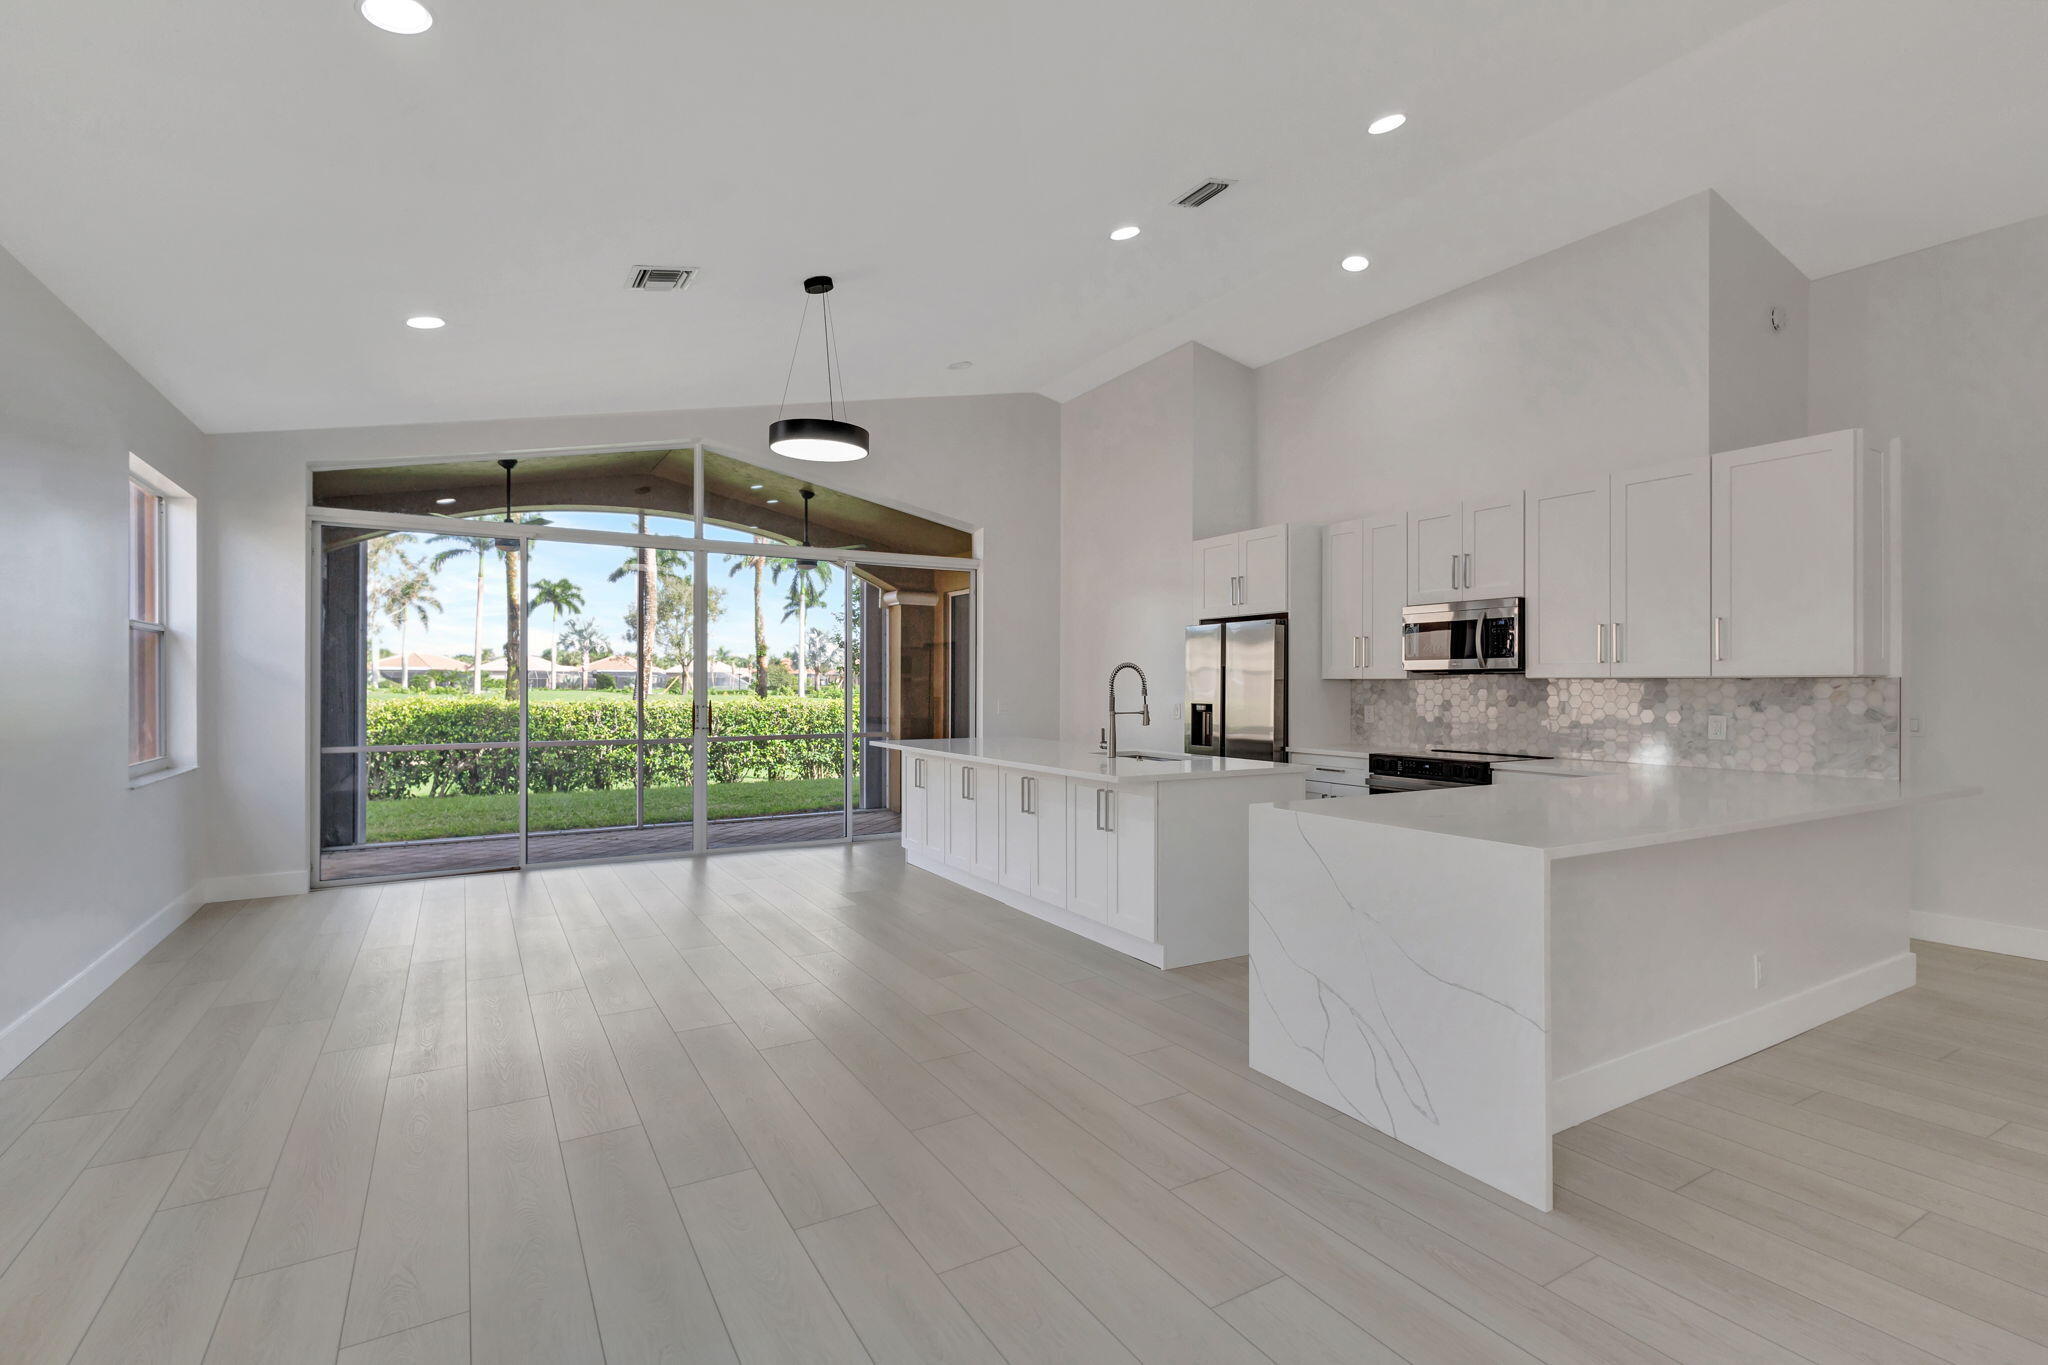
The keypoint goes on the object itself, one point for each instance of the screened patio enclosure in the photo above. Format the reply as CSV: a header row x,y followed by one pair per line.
x,y
646,659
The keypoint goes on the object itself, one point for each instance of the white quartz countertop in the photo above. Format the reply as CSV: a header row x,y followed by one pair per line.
x,y
1086,761
1613,806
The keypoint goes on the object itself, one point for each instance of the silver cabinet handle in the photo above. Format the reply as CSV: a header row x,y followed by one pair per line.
x,y
1354,653
1454,571
1468,570
917,774
1718,655
965,772
1098,808
1599,644
1617,642
1109,811
1368,651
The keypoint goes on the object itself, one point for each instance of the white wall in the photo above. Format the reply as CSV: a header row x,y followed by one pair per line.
x,y
991,463
85,862
1591,357
1149,462
1756,376
1946,349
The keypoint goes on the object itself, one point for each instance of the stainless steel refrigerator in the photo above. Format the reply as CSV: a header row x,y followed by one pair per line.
x,y
1237,689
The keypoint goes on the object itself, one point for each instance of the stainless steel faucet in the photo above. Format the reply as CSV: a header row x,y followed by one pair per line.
x,y
1144,710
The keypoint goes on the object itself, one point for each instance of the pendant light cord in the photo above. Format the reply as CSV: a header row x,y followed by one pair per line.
x,y
831,394
791,373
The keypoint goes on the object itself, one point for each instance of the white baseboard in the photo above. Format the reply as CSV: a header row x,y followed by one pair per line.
x,y
253,886
1985,935
57,1009
1622,1080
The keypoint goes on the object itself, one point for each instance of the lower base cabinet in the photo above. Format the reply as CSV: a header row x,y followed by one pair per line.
x,y
1157,870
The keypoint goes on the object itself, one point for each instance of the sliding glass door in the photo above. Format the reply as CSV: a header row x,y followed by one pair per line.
x,y
551,694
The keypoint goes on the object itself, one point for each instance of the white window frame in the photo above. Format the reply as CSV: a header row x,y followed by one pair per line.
x,y
176,598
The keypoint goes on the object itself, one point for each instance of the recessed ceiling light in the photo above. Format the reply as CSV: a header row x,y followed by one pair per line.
x,y
442,502
757,487
1124,233
961,365
397,16
773,501
1385,123
1355,263
425,322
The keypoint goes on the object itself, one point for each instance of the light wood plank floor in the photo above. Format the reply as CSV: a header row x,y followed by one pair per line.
x,y
811,1105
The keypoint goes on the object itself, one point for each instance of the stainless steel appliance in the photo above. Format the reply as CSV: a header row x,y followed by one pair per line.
x,y
1483,636
1425,772
1237,689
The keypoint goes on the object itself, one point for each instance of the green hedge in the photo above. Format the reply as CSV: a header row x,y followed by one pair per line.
x,y
410,719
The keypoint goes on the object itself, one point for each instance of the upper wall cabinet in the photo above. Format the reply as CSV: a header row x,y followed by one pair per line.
x,y
1804,559
1619,575
1466,550
1365,585
1253,573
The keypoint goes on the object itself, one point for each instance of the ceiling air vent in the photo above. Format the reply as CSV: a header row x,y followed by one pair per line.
x,y
1203,193
658,279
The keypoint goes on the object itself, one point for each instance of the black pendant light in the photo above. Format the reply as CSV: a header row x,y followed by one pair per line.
x,y
508,542
807,494
817,438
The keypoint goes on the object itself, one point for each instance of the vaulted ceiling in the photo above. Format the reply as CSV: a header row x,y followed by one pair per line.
x,y
247,198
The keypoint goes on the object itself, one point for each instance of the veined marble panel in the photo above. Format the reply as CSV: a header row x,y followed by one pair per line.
x,y
1402,977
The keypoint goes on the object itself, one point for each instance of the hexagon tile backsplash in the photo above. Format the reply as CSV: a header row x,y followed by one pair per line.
x,y
1844,727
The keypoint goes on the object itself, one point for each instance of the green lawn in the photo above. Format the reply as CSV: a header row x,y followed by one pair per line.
x,y
447,817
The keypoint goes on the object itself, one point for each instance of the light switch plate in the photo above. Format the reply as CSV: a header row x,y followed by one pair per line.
x,y
1717,727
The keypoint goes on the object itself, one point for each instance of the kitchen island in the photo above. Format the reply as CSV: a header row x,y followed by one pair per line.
x,y
1145,854
1472,970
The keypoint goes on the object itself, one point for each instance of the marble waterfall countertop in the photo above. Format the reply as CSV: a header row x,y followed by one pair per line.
x,y
1082,760
1605,807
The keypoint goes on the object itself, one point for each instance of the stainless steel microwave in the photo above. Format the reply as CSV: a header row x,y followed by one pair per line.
x,y
1483,636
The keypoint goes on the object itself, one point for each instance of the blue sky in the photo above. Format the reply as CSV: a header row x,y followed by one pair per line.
x,y
605,602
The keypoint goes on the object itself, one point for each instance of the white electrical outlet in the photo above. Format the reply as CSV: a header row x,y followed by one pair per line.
x,y
1756,972
1717,727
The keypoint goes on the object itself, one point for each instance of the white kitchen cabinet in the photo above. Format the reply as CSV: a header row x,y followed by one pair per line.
x,y
1569,578
1091,850
1365,585
1466,550
917,803
1662,568
1804,559
1034,835
1253,573
973,819
1493,547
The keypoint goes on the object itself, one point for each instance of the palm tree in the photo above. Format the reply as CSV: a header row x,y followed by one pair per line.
x,y
656,570
515,635
808,579
406,600
385,560
458,546
759,564
557,595
585,638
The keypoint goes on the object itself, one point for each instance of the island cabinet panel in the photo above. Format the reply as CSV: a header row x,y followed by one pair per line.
x,y
1034,835
1092,851
1146,856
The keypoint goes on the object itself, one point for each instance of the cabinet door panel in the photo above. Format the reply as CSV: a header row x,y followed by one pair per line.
x,y
1049,807
916,802
985,798
1217,565
1568,580
1345,577
1262,559
1132,817
1436,547
1784,554
959,815
1091,853
1493,539
1019,831
1386,592
1662,580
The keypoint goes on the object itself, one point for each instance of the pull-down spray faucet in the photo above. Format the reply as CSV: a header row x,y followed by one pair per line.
x,y
1144,711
